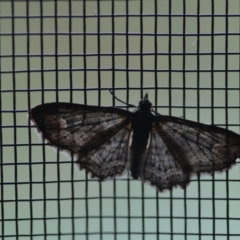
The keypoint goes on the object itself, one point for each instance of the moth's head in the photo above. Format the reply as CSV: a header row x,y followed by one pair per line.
x,y
144,103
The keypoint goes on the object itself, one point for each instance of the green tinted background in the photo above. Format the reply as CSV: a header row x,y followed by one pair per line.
x,y
44,195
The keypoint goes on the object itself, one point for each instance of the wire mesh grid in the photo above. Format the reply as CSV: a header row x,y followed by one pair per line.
x,y
185,54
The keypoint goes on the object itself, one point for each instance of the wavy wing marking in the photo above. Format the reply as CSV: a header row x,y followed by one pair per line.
x,y
110,158
78,128
194,147
204,148
161,168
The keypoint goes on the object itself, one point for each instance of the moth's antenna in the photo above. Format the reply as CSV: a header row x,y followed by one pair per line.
x,y
129,105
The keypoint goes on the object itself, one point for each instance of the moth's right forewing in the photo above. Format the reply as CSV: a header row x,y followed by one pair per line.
x,y
78,128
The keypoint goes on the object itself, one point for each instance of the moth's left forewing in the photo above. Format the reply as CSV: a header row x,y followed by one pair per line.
x,y
76,127
97,136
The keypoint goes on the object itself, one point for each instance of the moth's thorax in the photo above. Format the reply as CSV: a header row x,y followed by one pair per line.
x,y
142,123
145,104
141,127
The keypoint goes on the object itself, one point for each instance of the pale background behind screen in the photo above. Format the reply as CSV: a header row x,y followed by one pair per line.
x,y
188,62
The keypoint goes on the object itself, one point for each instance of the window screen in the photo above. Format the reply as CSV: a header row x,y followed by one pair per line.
x,y
184,54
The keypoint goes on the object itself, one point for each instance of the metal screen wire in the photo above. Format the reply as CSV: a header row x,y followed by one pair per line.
x,y
185,54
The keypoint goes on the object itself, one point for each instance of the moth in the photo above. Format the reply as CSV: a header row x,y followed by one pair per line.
x,y
162,150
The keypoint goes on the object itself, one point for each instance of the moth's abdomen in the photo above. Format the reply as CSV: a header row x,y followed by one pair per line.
x,y
141,127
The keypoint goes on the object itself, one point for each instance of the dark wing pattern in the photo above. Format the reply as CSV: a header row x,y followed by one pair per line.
x,y
99,139
179,148
160,167
110,158
98,136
